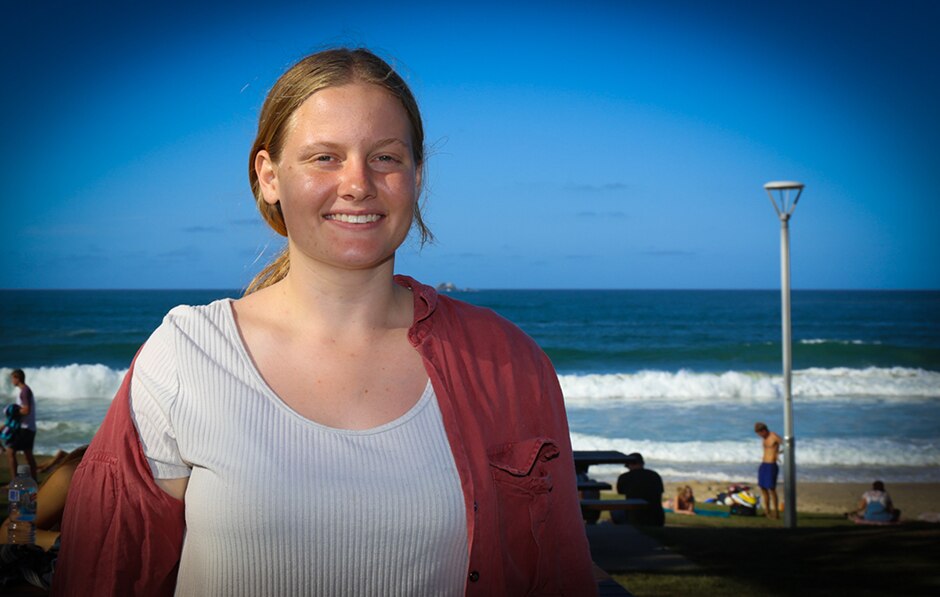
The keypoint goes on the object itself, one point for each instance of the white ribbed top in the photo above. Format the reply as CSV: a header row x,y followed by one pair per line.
x,y
278,504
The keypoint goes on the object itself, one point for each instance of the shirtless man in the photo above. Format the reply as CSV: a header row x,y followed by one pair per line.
x,y
767,473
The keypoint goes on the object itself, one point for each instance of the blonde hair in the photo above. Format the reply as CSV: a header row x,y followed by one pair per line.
x,y
329,68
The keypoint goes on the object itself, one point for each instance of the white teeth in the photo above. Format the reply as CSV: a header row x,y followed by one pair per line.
x,y
354,219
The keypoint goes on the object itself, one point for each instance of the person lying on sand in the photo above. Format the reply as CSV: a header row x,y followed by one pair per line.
x,y
50,500
55,461
684,502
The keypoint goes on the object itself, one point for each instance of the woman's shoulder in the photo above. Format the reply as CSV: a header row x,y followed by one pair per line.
x,y
194,315
463,308
462,323
483,321
179,349
186,323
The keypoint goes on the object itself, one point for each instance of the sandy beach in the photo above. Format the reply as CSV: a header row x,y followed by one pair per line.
x,y
832,498
912,498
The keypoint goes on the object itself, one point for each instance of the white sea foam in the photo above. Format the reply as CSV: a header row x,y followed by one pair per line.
x,y
598,390
817,459
70,381
74,399
62,428
884,452
842,342
895,383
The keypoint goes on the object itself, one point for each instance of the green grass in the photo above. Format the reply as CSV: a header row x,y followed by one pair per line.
x,y
824,555
743,556
651,584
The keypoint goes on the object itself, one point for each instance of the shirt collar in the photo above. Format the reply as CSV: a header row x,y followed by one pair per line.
x,y
425,302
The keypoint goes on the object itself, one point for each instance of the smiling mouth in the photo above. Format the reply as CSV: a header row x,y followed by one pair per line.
x,y
354,219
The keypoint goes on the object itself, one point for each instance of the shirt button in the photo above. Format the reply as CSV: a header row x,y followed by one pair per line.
x,y
475,506
474,576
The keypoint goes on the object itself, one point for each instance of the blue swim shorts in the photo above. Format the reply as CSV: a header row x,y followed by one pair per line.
x,y
767,475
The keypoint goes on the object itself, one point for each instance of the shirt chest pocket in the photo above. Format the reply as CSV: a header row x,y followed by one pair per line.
x,y
521,465
522,475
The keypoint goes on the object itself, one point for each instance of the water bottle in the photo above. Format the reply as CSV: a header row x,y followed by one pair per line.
x,y
22,528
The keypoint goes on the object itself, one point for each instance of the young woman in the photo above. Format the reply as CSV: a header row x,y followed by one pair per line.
x,y
875,506
684,502
339,429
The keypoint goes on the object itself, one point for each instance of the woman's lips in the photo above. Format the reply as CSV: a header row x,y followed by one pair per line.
x,y
354,218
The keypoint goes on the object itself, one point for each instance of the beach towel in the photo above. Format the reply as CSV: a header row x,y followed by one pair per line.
x,y
875,523
12,424
716,513
699,512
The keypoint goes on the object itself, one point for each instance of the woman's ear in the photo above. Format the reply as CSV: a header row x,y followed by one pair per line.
x,y
266,171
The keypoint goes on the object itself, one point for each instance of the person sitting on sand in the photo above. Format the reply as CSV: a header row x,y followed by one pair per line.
x,y
875,506
55,461
640,483
684,502
51,497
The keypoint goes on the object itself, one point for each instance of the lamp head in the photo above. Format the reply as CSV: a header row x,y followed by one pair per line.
x,y
784,189
783,185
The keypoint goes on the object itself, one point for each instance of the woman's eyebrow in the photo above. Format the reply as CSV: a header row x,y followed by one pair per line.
x,y
390,141
318,146
314,146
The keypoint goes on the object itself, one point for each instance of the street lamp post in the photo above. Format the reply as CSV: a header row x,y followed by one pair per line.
x,y
784,207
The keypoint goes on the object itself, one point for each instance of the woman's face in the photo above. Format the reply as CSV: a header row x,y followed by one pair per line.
x,y
346,178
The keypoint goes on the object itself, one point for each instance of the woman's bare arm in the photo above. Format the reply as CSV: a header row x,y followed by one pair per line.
x,y
174,487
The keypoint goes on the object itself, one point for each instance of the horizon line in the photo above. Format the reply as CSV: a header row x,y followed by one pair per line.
x,y
488,289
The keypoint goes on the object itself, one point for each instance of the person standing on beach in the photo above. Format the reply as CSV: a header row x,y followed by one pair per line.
x,y
26,434
768,471
242,454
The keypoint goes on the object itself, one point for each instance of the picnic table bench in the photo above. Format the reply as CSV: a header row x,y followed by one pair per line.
x,y
627,504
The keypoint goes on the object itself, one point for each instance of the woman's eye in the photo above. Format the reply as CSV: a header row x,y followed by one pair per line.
x,y
386,158
323,158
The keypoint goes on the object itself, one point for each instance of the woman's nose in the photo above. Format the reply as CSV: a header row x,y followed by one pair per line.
x,y
356,183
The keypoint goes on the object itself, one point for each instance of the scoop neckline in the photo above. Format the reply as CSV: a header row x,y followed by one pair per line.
x,y
235,333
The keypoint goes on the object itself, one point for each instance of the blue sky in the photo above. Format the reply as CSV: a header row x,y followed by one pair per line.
x,y
592,145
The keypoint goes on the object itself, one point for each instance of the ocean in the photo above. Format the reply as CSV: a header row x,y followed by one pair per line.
x,y
678,375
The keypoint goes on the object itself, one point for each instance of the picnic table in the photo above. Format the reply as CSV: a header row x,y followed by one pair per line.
x,y
593,485
591,506
585,458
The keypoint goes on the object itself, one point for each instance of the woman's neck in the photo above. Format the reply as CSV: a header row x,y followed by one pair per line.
x,y
343,300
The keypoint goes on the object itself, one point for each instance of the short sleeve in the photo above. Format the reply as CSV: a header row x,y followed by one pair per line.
x,y
154,389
